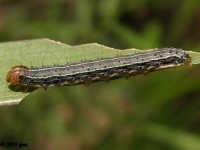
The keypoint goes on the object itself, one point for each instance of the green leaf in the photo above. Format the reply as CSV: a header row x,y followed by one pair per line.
x,y
178,138
40,52
195,56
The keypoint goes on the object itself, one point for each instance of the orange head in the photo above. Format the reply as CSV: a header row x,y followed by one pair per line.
x,y
13,76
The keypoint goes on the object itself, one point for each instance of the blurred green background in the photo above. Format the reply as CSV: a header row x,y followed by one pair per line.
x,y
153,112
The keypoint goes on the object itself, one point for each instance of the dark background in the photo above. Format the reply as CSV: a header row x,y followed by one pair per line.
x,y
157,111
